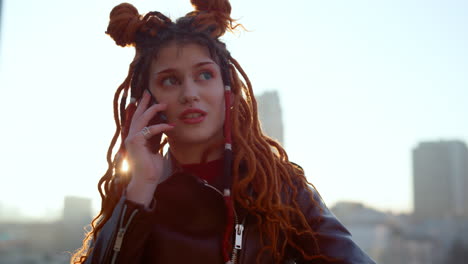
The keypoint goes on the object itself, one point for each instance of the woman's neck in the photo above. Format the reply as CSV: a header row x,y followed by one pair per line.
x,y
192,154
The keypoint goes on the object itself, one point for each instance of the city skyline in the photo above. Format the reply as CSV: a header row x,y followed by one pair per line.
x,y
388,238
360,84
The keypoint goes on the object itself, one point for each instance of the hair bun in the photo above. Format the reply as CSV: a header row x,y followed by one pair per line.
x,y
123,25
213,15
222,6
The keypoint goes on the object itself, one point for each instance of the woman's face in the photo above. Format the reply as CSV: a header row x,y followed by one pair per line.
x,y
187,79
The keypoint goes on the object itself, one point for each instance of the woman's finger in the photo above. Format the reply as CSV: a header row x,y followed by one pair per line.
x,y
139,138
150,131
142,105
138,123
146,133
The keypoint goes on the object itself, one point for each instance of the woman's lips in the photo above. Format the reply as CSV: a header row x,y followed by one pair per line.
x,y
192,116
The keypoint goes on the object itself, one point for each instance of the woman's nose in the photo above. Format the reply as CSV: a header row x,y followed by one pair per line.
x,y
189,93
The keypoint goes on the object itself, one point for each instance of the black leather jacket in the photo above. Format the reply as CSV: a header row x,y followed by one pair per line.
x,y
187,223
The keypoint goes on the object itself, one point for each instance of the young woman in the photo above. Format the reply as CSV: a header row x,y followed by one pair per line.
x,y
223,192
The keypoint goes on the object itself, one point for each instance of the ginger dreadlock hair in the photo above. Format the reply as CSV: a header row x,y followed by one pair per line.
x,y
268,189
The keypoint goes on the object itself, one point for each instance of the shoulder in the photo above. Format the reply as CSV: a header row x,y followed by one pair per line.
x,y
307,197
330,235
306,191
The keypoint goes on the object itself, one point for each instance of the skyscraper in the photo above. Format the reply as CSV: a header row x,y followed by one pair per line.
x,y
270,115
76,216
77,210
440,175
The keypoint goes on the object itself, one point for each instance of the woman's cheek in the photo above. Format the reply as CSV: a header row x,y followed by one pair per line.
x,y
172,111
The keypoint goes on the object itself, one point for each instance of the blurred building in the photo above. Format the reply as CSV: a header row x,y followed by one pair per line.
x,y
77,214
370,228
46,242
440,178
388,238
76,209
270,115
31,242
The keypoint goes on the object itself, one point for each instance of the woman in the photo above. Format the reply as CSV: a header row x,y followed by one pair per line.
x,y
223,192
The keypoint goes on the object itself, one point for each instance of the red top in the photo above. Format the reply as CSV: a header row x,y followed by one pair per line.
x,y
207,171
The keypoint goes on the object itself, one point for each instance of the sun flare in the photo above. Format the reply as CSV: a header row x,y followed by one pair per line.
x,y
125,166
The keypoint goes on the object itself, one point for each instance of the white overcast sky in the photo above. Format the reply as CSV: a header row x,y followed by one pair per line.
x,y
361,82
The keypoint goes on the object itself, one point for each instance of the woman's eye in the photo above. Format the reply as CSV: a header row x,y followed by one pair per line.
x,y
205,76
169,81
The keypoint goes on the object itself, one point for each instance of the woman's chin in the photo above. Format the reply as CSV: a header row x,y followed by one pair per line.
x,y
190,140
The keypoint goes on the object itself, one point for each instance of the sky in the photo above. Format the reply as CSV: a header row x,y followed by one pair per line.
x,y
361,83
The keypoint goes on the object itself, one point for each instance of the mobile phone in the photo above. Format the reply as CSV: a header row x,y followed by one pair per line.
x,y
160,117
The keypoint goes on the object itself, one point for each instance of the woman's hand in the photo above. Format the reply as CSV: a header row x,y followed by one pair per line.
x,y
145,166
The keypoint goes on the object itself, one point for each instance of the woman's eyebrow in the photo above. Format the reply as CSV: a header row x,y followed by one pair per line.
x,y
200,64
165,71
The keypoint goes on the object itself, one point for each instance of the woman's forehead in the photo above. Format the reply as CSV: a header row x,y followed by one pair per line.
x,y
176,55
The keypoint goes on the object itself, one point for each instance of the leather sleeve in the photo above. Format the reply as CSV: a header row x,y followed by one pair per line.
x,y
333,240
122,238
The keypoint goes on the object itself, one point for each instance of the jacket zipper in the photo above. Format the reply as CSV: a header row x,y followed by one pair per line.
x,y
239,228
121,233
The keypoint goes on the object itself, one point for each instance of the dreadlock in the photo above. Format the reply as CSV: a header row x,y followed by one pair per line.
x,y
269,185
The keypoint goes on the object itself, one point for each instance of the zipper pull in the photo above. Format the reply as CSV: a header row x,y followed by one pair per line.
x,y
239,231
119,239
